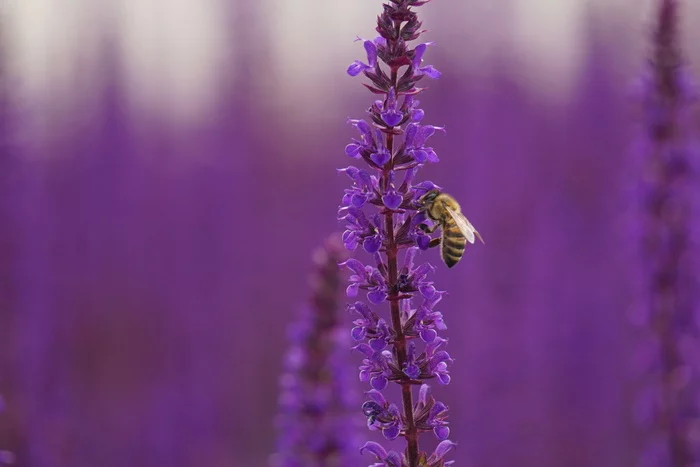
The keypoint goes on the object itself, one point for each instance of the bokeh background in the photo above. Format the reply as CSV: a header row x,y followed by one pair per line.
x,y
167,169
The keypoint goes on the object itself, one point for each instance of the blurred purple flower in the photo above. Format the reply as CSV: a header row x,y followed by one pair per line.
x,y
314,423
404,347
669,270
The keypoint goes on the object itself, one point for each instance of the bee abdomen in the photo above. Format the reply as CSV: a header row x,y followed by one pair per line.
x,y
452,231
452,245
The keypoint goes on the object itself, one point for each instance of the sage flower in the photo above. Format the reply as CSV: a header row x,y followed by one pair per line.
x,y
315,423
382,216
667,158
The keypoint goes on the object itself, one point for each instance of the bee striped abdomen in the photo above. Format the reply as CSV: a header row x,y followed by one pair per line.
x,y
452,244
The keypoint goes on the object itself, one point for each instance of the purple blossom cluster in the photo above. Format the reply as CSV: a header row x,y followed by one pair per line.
x,y
315,422
382,214
668,406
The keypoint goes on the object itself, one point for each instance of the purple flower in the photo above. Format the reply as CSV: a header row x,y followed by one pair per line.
x,y
316,397
436,360
431,414
396,331
376,367
382,415
388,459
410,368
668,263
418,58
389,112
358,67
411,106
416,137
360,230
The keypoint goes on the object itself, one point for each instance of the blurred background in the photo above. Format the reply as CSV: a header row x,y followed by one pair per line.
x,y
167,170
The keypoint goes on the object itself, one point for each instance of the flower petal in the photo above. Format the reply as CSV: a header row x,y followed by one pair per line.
x,y
380,157
379,382
443,448
377,296
391,432
428,335
353,150
372,244
392,200
441,432
375,448
371,50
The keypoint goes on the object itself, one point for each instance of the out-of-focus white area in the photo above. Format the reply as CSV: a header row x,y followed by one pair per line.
x,y
174,53
52,45
540,40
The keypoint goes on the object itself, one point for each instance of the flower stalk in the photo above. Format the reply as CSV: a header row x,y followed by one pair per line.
x,y
383,214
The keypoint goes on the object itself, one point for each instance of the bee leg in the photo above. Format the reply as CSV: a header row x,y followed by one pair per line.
x,y
425,228
434,242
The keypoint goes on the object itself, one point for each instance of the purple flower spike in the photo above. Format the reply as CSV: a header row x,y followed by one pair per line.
x,y
665,227
396,327
315,395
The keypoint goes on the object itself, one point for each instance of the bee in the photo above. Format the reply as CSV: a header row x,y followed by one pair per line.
x,y
456,229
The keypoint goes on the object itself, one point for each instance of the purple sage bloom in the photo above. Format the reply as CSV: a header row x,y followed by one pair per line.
x,y
668,224
382,215
316,428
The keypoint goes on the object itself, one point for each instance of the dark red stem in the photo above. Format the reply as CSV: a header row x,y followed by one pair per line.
x,y
392,250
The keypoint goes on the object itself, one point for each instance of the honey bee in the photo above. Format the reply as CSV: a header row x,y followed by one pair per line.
x,y
456,229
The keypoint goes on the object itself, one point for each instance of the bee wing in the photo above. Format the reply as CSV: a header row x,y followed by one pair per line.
x,y
464,226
